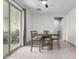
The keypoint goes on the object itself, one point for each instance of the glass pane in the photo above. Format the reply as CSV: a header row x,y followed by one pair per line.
x,y
5,27
14,27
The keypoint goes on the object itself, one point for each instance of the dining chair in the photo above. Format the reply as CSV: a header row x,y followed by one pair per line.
x,y
56,38
35,40
46,39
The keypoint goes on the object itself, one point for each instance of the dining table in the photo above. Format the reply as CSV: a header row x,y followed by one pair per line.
x,y
43,36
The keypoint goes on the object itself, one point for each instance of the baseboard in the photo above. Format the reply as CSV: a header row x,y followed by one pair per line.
x,y
70,43
28,42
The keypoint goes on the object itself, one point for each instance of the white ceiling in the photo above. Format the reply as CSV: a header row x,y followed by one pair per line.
x,y
54,6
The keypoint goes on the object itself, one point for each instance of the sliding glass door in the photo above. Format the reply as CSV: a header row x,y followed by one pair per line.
x,y
14,27
11,27
5,27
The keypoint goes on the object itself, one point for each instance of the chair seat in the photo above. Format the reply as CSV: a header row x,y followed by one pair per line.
x,y
46,39
37,37
54,37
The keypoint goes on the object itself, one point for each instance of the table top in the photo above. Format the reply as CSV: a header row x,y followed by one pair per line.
x,y
48,34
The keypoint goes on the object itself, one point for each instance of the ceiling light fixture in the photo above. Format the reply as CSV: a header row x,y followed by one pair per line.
x,y
44,2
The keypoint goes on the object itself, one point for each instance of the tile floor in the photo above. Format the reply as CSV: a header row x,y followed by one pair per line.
x,y
67,51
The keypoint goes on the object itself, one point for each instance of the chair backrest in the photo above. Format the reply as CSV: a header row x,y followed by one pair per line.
x,y
46,32
33,33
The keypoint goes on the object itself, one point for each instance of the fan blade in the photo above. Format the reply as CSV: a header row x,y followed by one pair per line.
x,y
46,5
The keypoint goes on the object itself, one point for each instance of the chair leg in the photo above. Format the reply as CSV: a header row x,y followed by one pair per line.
x,y
31,45
31,48
51,44
42,44
58,43
39,46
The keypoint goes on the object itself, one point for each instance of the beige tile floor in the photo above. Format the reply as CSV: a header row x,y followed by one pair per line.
x,y
67,51
12,46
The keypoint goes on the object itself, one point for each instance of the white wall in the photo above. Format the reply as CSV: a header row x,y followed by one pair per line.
x,y
69,26
41,22
28,24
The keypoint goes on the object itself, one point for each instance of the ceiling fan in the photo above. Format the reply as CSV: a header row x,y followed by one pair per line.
x,y
44,2
46,5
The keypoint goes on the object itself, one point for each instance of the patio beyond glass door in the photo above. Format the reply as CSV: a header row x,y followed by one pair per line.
x,y
14,27
5,28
